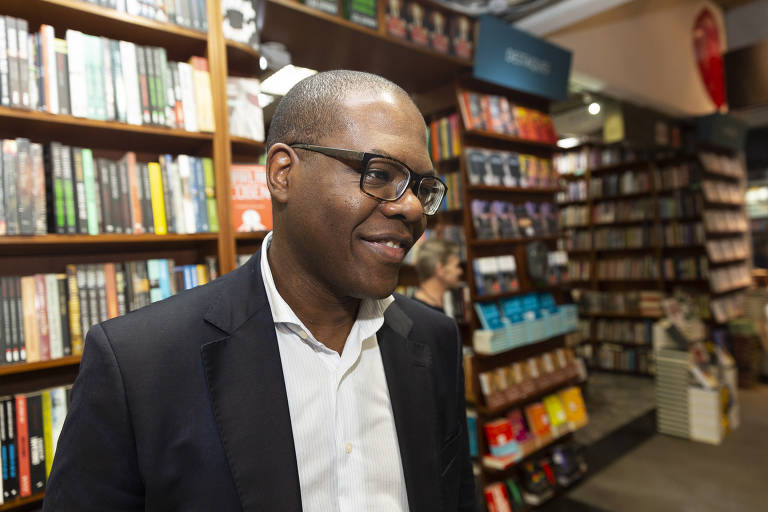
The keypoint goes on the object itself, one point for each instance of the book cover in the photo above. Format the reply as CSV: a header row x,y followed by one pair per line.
x,y
47,431
437,26
17,322
31,339
396,23
63,309
51,286
251,201
110,289
202,93
58,414
10,186
245,114
73,307
573,404
210,195
538,420
6,335
483,220
157,197
500,438
36,442
462,36
85,303
489,315
62,75
362,12
8,445
22,28
555,411
5,93
496,498
327,6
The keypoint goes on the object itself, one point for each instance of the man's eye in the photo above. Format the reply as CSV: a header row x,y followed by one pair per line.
x,y
377,177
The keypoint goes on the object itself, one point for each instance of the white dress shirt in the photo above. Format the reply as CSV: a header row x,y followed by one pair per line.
x,y
343,427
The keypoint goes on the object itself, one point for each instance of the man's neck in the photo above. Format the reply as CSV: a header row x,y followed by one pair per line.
x,y
431,291
329,318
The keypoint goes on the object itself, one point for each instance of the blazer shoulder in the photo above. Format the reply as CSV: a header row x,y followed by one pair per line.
x,y
424,317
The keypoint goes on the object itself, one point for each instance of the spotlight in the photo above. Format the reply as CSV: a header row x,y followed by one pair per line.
x,y
594,108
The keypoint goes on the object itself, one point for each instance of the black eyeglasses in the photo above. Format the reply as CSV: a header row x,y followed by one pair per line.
x,y
385,178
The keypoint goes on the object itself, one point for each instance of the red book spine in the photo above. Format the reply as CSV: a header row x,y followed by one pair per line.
x,y
22,442
110,285
41,311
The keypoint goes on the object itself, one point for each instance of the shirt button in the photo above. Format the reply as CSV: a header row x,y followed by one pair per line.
x,y
348,448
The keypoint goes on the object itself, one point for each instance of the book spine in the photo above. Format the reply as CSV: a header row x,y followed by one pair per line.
x,y
5,92
108,80
56,349
135,190
58,414
141,61
23,55
121,107
7,334
188,95
10,186
131,82
47,433
161,85
85,305
62,76
147,213
55,189
202,209
149,54
22,444
73,306
19,346
178,106
98,74
39,209
104,193
41,315
35,72
170,222
91,279
14,79
180,224
126,217
24,184
50,75
10,451
36,442
115,207
110,290
78,182
63,298
76,60
210,195
101,289
120,288
67,185
90,192
203,15
188,204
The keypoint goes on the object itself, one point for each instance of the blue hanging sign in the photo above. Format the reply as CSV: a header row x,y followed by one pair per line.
x,y
512,58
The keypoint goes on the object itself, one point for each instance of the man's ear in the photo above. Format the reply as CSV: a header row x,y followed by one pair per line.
x,y
281,160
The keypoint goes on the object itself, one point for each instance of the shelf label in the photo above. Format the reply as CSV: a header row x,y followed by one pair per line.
x,y
512,58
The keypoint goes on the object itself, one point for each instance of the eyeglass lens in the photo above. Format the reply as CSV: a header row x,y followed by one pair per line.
x,y
387,180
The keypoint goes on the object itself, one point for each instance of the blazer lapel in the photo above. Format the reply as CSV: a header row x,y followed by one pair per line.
x,y
407,367
245,381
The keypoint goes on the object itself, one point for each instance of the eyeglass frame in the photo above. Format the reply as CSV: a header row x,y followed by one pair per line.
x,y
363,158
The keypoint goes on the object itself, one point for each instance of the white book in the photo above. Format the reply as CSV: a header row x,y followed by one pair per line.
x,y
54,316
121,102
174,176
34,94
24,65
133,7
185,189
121,5
47,34
131,82
76,62
58,413
188,97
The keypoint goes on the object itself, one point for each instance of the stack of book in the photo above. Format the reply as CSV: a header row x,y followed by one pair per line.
x,y
497,114
508,169
680,204
454,198
719,192
626,238
718,221
673,177
61,189
577,161
444,138
728,249
730,277
624,331
30,426
577,240
621,357
579,270
574,217
186,13
672,392
99,78
722,165
518,381
495,274
46,316
574,191
504,220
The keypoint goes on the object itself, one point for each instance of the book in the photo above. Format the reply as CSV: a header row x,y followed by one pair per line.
x,y
538,420
362,12
573,403
22,445
251,201
462,36
8,445
36,434
245,114
241,21
500,438
158,198
396,24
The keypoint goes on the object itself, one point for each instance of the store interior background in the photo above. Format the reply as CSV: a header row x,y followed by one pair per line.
x,y
637,62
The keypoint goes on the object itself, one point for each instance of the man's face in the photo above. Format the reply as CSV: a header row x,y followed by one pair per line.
x,y
450,272
344,236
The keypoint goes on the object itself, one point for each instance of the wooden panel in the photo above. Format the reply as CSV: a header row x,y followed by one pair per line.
x,y
180,43
242,60
77,131
23,503
304,31
27,368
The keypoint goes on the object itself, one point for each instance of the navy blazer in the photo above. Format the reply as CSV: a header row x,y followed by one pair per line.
x,y
181,406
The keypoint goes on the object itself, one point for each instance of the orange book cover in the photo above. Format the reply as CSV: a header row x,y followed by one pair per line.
x,y
110,285
30,346
434,139
538,419
22,444
251,202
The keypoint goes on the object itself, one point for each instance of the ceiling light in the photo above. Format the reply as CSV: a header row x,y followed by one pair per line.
x,y
594,108
282,81
263,63
568,142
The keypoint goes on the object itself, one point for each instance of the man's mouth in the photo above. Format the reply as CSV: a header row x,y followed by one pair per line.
x,y
391,250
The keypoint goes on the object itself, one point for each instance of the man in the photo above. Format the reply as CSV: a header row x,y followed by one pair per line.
x,y
439,270
296,382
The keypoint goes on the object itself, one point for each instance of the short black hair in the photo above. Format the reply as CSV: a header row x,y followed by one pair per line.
x,y
310,108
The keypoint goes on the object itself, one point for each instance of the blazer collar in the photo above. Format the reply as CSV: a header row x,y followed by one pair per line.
x,y
247,390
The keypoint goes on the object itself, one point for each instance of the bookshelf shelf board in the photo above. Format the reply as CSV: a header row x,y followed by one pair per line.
x,y
731,289
605,314
619,197
20,502
637,373
496,296
499,409
727,260
413,67
448,164
682,219
723,204
253,236
628,344
49,240
518,190
617,167
510,241
628,222
76,131
572,177
180,42
242,146
628,249
17,368
570,202
487,361
502,137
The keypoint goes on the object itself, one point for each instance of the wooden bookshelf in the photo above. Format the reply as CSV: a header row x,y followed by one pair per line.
x,y
23,503
539,393
27,368
510,140
514,190
511,241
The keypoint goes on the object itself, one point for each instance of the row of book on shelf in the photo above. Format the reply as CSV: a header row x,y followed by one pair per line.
x,y
647,236
528,429
30,426
608,356
641,302
421,23
54,188
730,277
719,192
577,161
508,169
685,268
454,197
628,268
499,274
724,221
497,114
620,184
505,220
46,316
727,249
723,165
99,78
444,138
509,384
680,203
185,13
638,332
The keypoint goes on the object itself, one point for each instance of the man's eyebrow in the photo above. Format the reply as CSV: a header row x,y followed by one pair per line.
x,y
428,172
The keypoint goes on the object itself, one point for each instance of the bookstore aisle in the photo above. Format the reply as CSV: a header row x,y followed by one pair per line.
x,y
665,473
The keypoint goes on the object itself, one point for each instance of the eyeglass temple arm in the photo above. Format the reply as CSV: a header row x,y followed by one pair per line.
x,y
346,154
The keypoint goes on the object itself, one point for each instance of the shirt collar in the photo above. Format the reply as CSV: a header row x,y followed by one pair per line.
x,y
370,316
